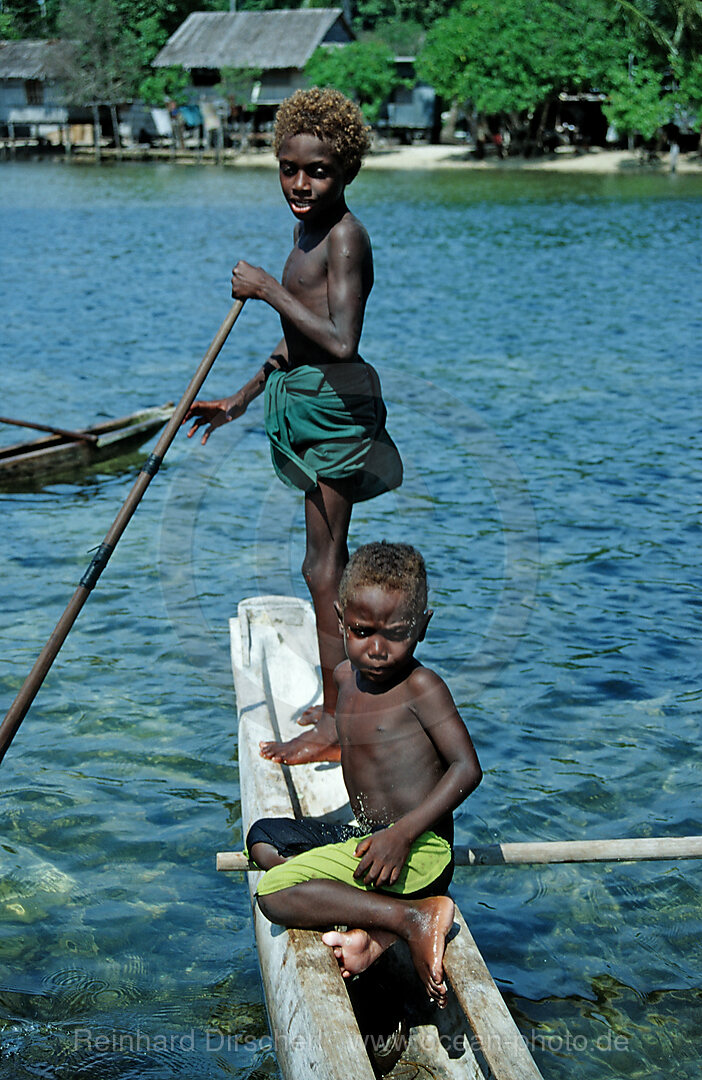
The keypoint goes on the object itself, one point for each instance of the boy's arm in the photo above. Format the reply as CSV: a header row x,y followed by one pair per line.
x,y
219,412
339,332
385,852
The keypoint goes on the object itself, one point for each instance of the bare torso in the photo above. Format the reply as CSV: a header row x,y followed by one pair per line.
x,y
306,278
389,762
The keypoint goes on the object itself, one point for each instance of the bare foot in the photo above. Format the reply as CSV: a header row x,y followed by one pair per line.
x,y
356,950
312,715
431,920
320,743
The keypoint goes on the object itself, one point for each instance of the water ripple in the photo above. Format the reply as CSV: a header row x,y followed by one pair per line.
x,y
562,326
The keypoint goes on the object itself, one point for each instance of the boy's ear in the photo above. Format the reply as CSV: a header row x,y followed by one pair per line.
x,y
339,616
424,621
352,173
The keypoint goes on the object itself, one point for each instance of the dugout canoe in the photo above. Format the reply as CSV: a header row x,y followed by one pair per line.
x,y
42,459
380,1023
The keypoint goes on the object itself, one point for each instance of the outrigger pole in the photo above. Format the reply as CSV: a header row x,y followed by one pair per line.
x,y
20,706
547,851
84,436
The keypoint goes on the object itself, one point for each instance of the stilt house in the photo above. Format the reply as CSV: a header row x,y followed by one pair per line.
x,y
278,43
31,101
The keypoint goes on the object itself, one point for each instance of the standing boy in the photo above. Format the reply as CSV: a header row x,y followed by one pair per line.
x,y
408,762
325,416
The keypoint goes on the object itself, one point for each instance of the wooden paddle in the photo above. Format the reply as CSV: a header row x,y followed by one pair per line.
x,y
84,436
554,851
19,708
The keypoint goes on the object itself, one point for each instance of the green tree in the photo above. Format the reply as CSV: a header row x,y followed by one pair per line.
x,y
265,5
669,29
236,84
165,84
689,92
364,70
157,85
636,102
404,37
511,54
478,54
8,27
29,18
105,60
370,13
516,56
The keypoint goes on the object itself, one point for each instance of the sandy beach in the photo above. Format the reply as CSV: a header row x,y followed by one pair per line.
x,y
425,156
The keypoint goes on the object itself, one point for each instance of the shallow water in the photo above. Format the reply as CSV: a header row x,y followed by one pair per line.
x,y
538,341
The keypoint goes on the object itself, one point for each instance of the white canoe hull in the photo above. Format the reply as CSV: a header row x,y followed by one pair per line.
x,y
313,1023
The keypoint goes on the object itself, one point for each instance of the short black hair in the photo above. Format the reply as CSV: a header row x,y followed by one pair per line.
x,y
390,565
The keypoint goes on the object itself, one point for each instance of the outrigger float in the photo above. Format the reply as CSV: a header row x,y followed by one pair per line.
x,y
381,1023
59,452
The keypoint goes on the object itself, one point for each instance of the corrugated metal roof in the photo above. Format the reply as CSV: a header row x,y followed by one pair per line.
x,y
33,59
252,39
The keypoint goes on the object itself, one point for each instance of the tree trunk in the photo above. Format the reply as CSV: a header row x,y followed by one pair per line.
x,y
96,131
539,137
115,130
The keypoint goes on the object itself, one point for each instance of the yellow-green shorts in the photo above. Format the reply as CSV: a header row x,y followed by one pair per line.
x,y
430,862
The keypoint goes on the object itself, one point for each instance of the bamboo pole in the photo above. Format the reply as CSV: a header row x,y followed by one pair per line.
x,y
20,707
554,851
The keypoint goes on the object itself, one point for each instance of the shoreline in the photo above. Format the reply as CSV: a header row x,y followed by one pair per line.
x,y
596,160
419,157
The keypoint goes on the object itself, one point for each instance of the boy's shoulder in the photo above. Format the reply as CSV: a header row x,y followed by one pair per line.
x,y
343,672
348,230
422,679
427,692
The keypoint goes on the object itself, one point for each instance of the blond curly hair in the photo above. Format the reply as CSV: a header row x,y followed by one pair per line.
x,y
330,116
392,566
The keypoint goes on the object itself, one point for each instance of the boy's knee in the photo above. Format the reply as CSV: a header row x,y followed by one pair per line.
x,y
267,906
257,834
263,855
322,573
270,895
307,569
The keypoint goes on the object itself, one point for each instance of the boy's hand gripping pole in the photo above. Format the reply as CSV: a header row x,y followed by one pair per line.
x,y
20,706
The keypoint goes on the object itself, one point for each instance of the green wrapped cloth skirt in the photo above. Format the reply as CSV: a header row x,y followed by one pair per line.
x,y
327,422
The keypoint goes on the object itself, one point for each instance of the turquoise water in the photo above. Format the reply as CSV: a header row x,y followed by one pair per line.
x,y
538,340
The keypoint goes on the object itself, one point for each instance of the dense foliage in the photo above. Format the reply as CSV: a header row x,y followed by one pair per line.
x,y
516,56
504,58
363,70
104,64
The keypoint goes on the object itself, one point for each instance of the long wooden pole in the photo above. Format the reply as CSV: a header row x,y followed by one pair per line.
x,y
85,436
20,706
554,851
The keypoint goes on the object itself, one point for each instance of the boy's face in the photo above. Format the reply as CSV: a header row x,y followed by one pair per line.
x,y
311,177
380,631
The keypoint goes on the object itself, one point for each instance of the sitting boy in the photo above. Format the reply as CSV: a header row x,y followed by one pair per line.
x,y
408,762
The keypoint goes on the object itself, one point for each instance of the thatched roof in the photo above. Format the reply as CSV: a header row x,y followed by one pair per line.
x,y
33,59
252,39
